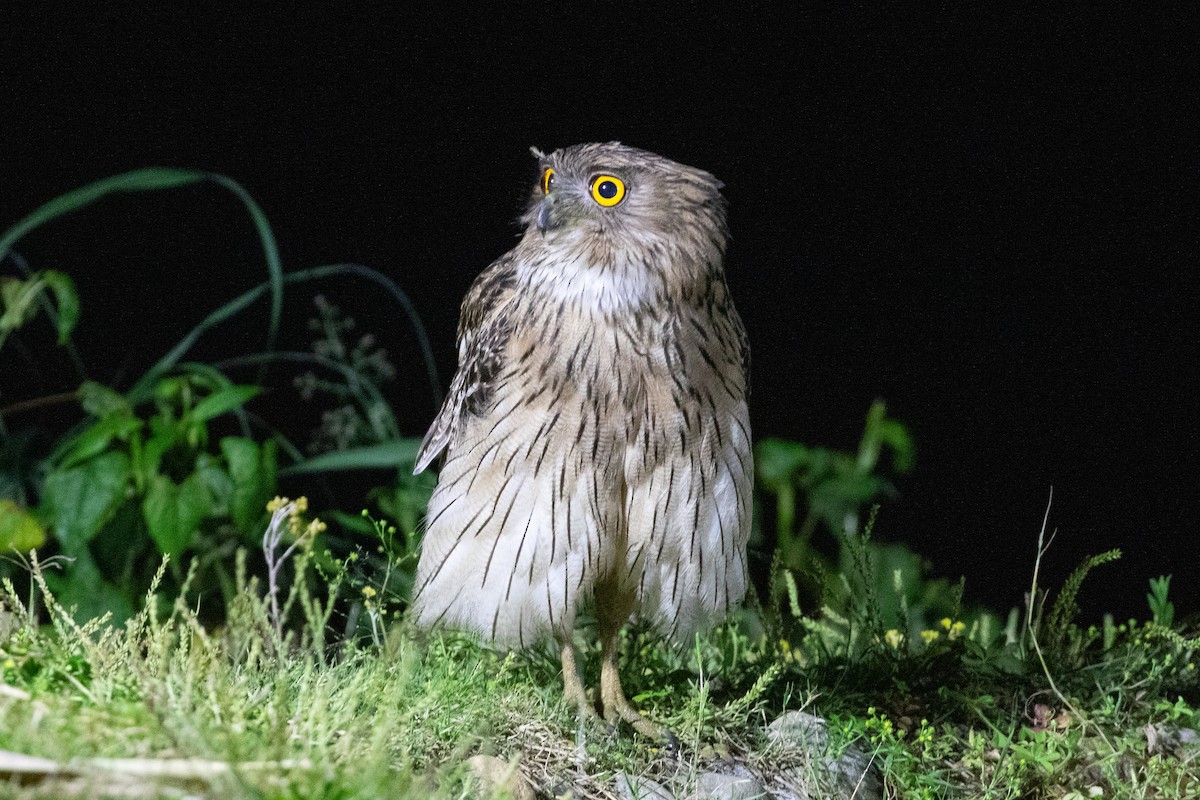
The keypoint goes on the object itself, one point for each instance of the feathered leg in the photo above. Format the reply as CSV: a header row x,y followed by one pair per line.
x,y
612,612
573,689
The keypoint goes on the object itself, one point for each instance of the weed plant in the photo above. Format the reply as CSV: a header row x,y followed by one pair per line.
x,y
178,463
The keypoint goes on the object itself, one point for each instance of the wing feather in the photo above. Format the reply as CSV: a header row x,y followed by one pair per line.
x,y
484,327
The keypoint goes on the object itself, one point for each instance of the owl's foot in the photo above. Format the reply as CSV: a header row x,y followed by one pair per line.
x,y
617,706
573,689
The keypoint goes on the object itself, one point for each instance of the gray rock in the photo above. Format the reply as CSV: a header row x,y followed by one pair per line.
x,y
800,729
722,786
634,788
851,771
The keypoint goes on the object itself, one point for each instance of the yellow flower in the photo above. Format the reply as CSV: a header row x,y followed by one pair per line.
x,y
930,636
954,627
894,638
10,664
277,503
369,591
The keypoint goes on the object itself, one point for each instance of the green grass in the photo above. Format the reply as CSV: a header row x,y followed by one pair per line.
x,y
296,716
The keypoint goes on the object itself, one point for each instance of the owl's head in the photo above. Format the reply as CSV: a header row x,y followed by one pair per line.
x,y
613,197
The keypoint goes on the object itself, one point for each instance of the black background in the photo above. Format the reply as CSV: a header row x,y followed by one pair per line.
x,y
988,220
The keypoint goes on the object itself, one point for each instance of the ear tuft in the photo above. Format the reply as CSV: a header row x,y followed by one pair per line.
x,y
538,154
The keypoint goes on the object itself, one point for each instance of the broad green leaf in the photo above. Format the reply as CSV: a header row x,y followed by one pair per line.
x,y
392,455
66,300
79,500
18,297
211,472
95,439
173,512
223,400
19,530
776,460
164,434
252,469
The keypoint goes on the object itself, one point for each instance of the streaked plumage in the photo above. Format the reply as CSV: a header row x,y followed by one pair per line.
x,y
596,434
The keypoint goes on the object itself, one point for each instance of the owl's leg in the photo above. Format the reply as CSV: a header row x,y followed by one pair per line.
x,y
616,705
573,689
613,608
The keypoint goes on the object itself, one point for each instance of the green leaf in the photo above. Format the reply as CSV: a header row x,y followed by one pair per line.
x,y
223,400
253,472
173,511
79,500
18,297
95,439
101,401
67,301
165,434
211,472
19,530
898,437
776,460
391,455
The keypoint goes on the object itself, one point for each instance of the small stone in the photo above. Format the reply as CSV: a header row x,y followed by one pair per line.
x,y
720,786
801,729
634,788
499,775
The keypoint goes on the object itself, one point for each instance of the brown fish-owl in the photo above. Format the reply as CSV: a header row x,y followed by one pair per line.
x,y
596,433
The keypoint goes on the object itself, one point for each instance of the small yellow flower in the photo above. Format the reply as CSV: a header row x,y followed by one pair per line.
x,y
369,591
894,638
930,636
947,623
277,503
10,664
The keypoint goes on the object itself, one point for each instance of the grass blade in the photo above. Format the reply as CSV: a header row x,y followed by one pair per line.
x,y
386,455
139,180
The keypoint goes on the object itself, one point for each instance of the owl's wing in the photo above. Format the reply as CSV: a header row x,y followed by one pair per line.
x,y
743,341
483,330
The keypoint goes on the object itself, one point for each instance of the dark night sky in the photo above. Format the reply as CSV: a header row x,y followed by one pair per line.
x,y
989,221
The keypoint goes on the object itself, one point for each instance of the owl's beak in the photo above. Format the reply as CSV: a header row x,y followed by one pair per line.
x,y
545,214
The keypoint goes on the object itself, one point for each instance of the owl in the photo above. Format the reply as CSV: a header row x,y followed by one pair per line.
x,y
596,433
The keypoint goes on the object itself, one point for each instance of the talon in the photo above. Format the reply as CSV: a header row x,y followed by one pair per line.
x,y
612,696
573,690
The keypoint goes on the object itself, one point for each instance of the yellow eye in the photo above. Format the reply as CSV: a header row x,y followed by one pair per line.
x,y
548,180
607,190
